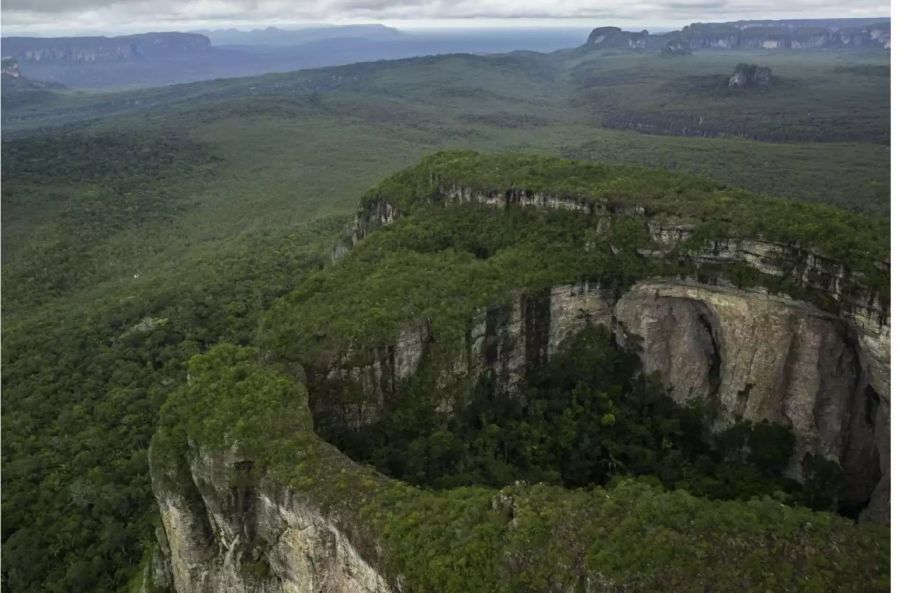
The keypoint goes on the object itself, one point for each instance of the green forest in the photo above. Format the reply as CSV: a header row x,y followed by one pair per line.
x,y
521,537
589,418
142,228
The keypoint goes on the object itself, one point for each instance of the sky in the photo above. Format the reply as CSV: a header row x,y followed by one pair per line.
x,y
55,17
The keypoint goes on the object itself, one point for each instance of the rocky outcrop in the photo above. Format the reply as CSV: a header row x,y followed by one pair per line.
x,y
676,47
845,289
759,358
369,218
10,68
750,75
751,355
751,352
226,531
614,37
378,373
19,89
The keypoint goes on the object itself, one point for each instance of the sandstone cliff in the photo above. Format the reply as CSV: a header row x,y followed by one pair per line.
x,y
251,500
102,49
817,364
224,535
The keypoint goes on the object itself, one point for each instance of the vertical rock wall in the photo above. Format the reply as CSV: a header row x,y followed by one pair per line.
x,y
225,534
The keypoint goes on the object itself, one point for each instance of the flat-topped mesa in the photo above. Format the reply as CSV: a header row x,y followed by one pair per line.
x,y
807,267
749,35
772,330
251,500
614,37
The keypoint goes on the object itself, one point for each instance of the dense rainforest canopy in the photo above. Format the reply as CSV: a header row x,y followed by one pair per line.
x,y
143,227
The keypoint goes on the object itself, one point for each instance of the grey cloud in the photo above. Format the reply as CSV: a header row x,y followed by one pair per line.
x,y
35,14
700,5
52,6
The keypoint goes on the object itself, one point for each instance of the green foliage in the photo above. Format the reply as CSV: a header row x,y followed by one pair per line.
x,y
489,102
848,238
70,194
201,204
438,268
539,538
587,418
810,101
822,478
199,410
89,356
858,242
438,265
519,538
80,405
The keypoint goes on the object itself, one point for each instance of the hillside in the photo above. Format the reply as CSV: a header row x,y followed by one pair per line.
x,y
165,58
823,127
153,59
142,228
484,337
318,519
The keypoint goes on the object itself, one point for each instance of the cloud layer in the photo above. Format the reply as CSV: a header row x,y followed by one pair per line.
x,y
50,15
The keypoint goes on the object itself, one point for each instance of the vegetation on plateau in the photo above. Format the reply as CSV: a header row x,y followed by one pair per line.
x,y
522,537
440,264
589,418
141,228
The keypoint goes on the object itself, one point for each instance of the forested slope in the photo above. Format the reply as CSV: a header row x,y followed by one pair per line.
x,y
141,228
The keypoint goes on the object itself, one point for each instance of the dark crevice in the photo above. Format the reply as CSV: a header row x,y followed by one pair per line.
x,y
714,375
873,401
536,313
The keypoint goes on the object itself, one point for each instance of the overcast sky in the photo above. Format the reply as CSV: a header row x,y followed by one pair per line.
x,y
119,16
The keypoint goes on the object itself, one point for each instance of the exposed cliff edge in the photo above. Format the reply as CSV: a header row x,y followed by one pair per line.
x,y
759,310
227,526
804,343
252,500
228,537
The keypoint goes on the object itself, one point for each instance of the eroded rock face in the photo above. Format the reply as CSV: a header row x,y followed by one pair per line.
x,y
377,372
762,358
225,534
748,35
614,37
378,214
758,356
750,75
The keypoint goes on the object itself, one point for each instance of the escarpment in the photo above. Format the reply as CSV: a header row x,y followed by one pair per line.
x,y
649,320
760,329
232,519
750,35
103,49
252,500
224,532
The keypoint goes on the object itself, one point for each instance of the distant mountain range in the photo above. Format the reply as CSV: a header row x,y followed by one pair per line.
x,y
152,59
273,36
145,46
859,34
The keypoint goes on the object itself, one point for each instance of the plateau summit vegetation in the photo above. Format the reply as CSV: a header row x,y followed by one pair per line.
x,y
171,291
